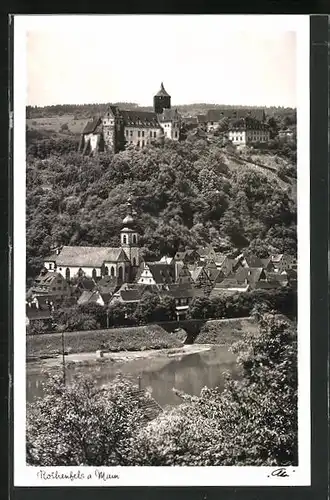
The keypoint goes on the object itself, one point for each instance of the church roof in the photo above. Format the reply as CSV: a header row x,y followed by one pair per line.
x,y
162,92
89,256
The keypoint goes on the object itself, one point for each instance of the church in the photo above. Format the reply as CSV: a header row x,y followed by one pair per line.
x,y
121,262
119,128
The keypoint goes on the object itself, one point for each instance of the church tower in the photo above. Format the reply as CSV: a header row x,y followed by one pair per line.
x,y
129,239
162,100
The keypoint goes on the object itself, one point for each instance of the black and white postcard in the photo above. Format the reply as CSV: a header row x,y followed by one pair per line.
x,y
161,250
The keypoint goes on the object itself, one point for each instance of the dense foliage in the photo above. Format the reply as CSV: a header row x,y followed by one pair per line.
x,y
184,194
155,309
84,424
252,422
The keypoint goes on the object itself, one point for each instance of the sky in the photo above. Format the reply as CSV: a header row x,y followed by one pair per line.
x,y
212,59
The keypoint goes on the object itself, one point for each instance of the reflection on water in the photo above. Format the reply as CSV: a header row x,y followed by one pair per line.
x,y
189,373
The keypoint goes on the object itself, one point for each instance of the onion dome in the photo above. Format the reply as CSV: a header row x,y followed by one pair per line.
x,y
128,219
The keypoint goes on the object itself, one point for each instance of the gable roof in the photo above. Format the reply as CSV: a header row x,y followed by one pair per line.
x,y
253,261
169,115
161,273
38,314
92,124
139,118
88,296
215,115
252,275
180,290
90,256
131,295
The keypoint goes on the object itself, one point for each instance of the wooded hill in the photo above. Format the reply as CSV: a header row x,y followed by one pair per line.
x,y
185,194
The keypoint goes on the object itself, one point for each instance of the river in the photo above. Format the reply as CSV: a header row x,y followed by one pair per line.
x,y
159,373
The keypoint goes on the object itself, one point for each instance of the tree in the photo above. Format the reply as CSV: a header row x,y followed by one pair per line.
x,y
252,422
82,424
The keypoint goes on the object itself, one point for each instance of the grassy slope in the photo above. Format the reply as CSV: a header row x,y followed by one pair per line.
x,y
222,332
112,340
55,123
225,332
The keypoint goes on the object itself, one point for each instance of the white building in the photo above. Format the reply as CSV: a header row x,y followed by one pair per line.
x,y
95,262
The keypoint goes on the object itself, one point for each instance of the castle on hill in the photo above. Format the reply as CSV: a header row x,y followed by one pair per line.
x,y
118,128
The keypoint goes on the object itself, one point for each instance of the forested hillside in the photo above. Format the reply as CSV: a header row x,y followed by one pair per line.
x,y
184,194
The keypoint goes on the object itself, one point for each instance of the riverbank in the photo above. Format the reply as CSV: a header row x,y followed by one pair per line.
x,y
140,338
91,358
136,338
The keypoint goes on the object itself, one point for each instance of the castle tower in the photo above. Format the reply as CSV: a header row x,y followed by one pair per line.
x,y
162,100
129,239
109,123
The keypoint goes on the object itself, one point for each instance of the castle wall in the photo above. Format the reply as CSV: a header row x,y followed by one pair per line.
x,y
141,136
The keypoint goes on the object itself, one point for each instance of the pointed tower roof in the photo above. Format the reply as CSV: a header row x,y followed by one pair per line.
x,y
162,92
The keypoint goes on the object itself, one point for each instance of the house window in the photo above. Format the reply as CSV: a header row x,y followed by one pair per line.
x,y
50,266
134,261
176,134
142,143
150,133
80,272
94,274
139,133
126,132
131,132
138,144
154,134
134,238
142,133
67,273
124,239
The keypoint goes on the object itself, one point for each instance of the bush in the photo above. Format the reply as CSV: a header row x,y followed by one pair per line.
x,y
84,425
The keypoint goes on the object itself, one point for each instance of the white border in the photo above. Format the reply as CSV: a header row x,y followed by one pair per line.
x,y
164,476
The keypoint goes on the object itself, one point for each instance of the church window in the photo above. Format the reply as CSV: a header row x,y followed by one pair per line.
x,y
120,273
134,238
112,271
80,272
67,273
106,271
94,274
134,261
124,239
